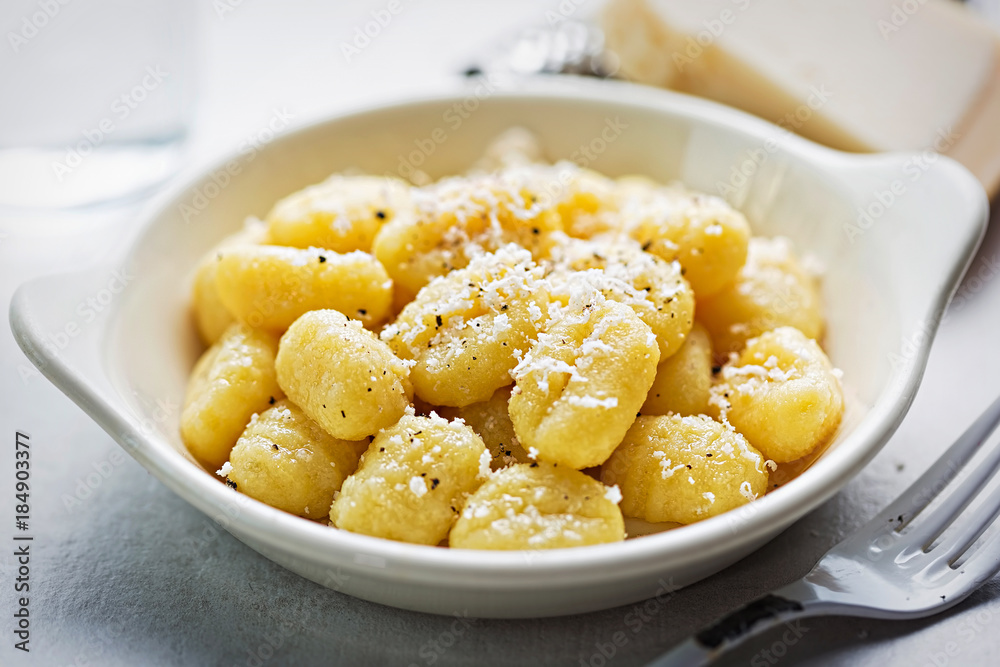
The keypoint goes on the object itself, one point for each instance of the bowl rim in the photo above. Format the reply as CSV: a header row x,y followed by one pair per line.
x,y
310,540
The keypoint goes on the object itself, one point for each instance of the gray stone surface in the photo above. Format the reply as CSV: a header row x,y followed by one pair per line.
x,y
132,575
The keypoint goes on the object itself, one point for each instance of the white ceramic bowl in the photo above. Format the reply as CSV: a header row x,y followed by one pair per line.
x,y
885,287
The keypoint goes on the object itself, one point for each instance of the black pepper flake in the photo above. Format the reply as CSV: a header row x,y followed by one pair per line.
x,y
381,449
230,483
709,454
716,369
437,318
533,465
689,466
434,483
322,259
343,414
536,231
362,312
271,400
324,406
647,245
423,474
369,388
380,215
274,447
503,307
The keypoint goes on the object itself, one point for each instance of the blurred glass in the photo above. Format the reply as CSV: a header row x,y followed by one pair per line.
x,y
98,98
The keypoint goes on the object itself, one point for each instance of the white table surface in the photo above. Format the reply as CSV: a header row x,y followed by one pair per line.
x,y
112,580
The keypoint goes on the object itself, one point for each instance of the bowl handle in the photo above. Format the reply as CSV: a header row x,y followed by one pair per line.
x,y
926,214
60,323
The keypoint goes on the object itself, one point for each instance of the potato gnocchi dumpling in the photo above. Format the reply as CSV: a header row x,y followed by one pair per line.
x,y
211,316
491,420
271,286
653,288
341,375
413,481
578,388
683,381
569,328
771,290
584,199
539,506
459,218
232,380
286,460
342,214
465,331
684,469
782,393
705,234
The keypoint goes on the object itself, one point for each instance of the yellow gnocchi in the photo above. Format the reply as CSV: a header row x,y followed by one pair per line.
x,y
683,382
782,393
491,420
271,286
341,375
465,330
705,234
514,358
286,460
684,469
232,380
653,288
578,388
413,481
771,290
342,214
539,506
460,217
211,316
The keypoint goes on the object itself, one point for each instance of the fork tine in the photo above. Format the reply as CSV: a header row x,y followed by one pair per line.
x,y
981,566
935,522
971,528
920,494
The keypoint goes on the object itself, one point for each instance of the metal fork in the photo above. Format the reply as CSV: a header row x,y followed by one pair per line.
x,y
894,567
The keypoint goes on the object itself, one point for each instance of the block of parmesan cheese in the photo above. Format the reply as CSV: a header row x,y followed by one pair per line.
x,y
858,75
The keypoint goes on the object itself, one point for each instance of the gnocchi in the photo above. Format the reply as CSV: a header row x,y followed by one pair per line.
x,y
781,393
684,469
653,288
539,506
271,286
211,316
683,382
413,481
491,420
341,214
464,330
705,234
516,358
771,290
232,380
284,459
341,375
578,388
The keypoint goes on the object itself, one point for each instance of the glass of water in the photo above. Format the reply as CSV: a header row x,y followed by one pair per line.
x,y
98,99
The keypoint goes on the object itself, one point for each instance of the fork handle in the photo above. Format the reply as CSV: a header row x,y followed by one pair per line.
x,y
773,609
